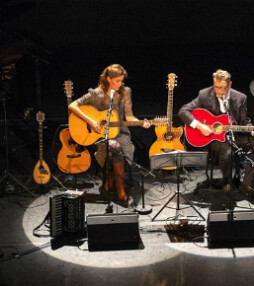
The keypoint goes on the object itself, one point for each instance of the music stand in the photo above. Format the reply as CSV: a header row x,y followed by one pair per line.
x,y
178,159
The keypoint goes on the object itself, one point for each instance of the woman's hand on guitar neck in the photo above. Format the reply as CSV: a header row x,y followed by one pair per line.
x,y
146,123
204,129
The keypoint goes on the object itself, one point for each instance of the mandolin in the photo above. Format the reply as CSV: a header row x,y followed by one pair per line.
x,y
41,173
168,137
72,158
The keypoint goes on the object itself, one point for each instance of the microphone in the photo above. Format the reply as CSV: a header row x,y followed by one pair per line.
x,y
225,102
112,92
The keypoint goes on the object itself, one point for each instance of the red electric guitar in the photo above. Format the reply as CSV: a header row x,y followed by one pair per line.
x,y
218,124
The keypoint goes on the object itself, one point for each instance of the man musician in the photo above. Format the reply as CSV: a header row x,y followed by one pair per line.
x,y
222,99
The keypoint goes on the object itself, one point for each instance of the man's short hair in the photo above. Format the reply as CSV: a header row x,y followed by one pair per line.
x,y
222,75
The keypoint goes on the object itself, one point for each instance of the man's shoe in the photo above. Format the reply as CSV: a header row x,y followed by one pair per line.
x,y
245,189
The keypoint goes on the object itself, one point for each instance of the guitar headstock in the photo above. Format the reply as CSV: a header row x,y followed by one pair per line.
x,y
40,117
68,88
172,82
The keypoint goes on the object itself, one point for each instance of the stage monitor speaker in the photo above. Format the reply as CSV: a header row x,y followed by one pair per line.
x,y
112,231
227,229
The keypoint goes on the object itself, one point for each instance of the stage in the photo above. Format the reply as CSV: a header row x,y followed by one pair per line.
x,y
166,254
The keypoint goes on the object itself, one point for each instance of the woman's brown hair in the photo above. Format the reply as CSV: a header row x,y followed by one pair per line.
x,y
112,71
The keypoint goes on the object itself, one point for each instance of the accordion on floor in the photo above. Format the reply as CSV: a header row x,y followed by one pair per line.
x,y
67,213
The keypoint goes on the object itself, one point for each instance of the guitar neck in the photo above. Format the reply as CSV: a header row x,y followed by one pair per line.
x,y
239,128
138,123
40,131
169,109
69,101
68,88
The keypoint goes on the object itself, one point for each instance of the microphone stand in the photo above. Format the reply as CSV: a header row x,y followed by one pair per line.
x,y
109,208
143,209
231,141
238,151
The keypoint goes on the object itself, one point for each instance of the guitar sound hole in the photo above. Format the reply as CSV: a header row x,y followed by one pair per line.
x,y
103,123
43,171
79,148
71,142
217,128
168,136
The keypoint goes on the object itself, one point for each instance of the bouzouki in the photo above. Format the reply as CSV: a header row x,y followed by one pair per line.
x,y
218,124
83,134
72,158
41,173
168,137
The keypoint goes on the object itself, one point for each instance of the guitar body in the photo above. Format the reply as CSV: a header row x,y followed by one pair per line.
x,y
83,134
166,141
72,159
216,123
41,173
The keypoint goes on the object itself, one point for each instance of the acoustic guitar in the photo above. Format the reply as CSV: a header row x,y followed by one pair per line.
x,y
41,173
218,124
83,134
168,137
72,158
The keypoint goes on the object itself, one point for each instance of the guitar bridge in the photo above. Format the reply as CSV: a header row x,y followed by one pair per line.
x,y
89,128
168,136
74,156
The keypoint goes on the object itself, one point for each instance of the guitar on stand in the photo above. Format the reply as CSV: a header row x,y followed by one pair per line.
x,y
168,136
72,158
41,173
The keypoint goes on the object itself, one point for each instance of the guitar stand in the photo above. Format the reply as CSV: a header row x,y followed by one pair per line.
x,y
58,181
178,159
7,175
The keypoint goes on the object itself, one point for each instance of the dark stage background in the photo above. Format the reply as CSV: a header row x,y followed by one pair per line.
x,y
50,41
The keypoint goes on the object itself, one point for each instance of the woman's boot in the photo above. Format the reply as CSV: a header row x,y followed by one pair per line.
x,y
118,168
107,180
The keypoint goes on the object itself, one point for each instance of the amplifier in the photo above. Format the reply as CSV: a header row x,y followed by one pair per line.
x,y
112,231
227,229
67,213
